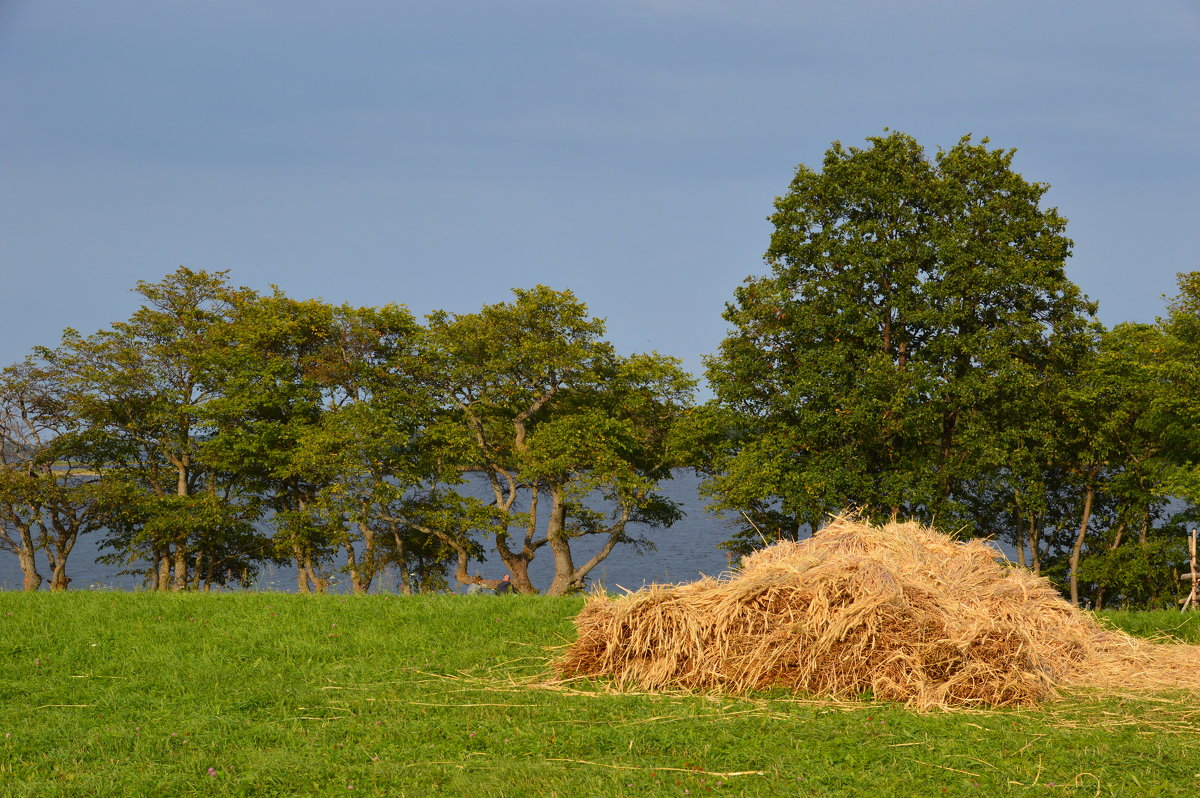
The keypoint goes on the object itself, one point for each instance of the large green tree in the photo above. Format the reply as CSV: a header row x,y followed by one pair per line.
x,y
373,455
914,306
270,397
142,390
553,416
327,419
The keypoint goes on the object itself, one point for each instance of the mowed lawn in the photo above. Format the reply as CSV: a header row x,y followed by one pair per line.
x,y
270,694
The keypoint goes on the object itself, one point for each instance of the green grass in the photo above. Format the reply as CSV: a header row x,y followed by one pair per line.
x,y
1183,627
141,694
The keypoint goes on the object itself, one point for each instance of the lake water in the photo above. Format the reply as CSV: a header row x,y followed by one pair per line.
x,y
685,551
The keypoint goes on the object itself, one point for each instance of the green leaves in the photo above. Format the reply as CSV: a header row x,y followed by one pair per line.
x,y
553,412
912,305
348,428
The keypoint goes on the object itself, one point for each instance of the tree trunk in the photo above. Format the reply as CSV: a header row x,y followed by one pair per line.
x,y
567,577
59,579
402,561
359,582
519,568
462,561
1117,537
25,549
1077,548
152,571
560,545
1019,539
302,575
180,582
197,570
362,575
616,533
182,489
517,564
164,569
33,580
1035,544
59,547
319,584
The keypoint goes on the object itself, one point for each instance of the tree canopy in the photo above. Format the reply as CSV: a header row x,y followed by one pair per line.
x,y
241,428
912,306
552,413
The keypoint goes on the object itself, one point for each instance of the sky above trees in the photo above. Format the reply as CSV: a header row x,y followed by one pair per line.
x,y
439,155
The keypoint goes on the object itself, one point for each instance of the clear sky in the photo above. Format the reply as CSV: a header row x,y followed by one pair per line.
x,y
440,154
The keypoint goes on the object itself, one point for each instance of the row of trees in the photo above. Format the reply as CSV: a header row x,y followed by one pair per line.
x,y
219,429
916,351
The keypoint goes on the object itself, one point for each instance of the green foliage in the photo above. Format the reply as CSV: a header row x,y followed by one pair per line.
x,y
214,412
912,307
142,392
327,414
1129,429
220,543
1179,351
548,410
1138,574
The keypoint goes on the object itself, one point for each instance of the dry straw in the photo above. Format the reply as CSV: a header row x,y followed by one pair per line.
x,y
898,611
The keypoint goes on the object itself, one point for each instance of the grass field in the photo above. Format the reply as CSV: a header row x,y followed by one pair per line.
x,y
272,694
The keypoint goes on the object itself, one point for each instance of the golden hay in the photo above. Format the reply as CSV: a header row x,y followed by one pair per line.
x,y
898,610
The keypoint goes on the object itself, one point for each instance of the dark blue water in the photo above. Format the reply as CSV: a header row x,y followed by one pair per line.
x,y
684,552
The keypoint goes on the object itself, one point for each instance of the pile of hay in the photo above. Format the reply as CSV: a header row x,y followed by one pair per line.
x,y
899,611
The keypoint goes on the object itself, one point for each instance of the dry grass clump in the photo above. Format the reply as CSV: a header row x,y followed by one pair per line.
x,y
900,611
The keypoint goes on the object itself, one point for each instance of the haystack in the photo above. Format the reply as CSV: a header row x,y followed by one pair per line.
x,y
899,612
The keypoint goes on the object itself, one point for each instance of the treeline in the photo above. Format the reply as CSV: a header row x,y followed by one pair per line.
x,y
915,351
219,429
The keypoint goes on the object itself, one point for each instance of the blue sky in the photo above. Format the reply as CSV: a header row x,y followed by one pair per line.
x,y
440,154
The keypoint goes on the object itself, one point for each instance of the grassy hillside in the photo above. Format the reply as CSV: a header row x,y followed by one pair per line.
x,y
271,694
